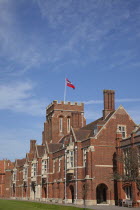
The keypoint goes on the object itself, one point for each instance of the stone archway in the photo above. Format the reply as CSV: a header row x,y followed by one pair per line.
x,y
72,193
101,194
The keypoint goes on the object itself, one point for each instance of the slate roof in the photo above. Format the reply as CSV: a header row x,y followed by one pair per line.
x,y
20,162
91,125
82,134
30,156
88,130
55,147
40,150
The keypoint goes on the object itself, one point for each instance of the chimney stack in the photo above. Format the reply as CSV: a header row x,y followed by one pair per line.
x,y
109,102
32,146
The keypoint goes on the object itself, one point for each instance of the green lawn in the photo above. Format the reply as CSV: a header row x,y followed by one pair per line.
x,y
24,205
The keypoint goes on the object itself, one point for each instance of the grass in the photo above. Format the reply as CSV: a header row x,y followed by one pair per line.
x,y
24,205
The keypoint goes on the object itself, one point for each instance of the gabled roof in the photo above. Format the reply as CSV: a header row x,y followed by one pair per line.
x,y
30,156
40,150
87,131
64,138
82,134
138,131
91,125
55,147
20,162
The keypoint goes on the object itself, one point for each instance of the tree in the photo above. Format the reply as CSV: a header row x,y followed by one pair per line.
x,y
130,161
84,193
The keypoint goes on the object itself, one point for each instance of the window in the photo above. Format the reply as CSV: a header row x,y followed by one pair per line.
x,y
34,166
122,129
70,159
59,164
44,167
14,176
53,166
84,157
68,124
25,173
61,124
128,192
95,129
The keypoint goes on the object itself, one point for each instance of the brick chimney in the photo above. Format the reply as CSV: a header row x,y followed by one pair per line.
x,y
109,102
32,146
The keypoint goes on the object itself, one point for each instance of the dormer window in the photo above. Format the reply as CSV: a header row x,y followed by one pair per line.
x,y
122,129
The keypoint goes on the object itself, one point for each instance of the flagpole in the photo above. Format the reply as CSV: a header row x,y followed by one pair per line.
x,y
65,91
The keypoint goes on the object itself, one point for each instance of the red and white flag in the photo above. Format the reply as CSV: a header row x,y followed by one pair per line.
x,y
69,84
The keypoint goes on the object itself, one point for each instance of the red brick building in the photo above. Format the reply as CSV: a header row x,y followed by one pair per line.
x,y
5,178
129,167
75,162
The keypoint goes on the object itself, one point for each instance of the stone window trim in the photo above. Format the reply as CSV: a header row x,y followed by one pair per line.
x,y
122,129
84,157
68,124
61,123
128,192
34,168
25,172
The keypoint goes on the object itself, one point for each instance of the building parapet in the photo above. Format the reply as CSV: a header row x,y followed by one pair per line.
x,y
64,103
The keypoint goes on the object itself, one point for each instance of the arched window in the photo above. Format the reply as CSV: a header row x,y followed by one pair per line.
x,y
68,124
61,124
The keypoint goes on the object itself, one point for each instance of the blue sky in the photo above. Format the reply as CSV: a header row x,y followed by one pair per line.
x,y
94,43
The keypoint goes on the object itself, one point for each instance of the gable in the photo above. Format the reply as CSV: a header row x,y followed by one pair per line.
x,y
119,117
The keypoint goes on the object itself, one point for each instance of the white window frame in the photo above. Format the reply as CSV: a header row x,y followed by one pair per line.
x,y
70,159
34,169
128,192
25,173
44,166
122,129
84,156
14,175
54,161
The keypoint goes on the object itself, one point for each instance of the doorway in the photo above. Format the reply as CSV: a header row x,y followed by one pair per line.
x,y
101,194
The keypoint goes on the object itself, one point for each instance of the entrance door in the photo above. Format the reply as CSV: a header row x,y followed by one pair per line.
x,y
72,193
101,193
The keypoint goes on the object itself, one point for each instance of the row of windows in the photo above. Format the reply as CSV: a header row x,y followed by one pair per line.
x,y
61,124
70,164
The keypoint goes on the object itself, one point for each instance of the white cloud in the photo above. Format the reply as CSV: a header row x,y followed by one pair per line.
x,y
18,51
123,100
19,97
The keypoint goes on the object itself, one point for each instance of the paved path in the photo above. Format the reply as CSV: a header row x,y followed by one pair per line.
x,y
104,207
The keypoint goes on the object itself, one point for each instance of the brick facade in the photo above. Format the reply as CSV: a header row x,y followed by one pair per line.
x,y
75,162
